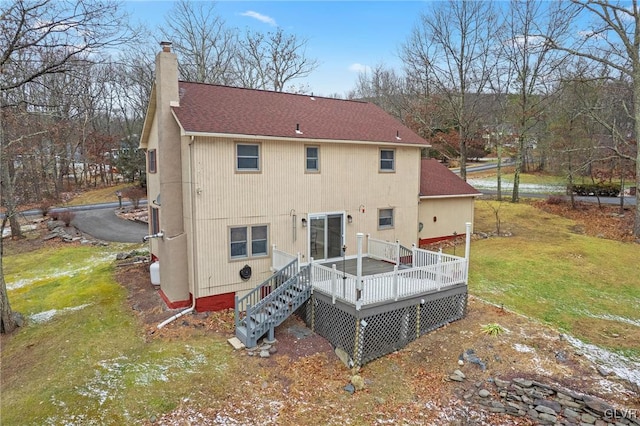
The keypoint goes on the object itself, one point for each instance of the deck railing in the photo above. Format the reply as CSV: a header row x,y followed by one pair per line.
x,y
388,286
280,259
383,250
425,257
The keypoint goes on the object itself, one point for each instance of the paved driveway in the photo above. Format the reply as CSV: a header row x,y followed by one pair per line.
x,y
103,224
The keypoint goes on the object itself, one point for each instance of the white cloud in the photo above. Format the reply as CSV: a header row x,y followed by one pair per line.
x,y
260,17
356,67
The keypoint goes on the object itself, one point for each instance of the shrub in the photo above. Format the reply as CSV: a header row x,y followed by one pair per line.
x,y
66,216
597,189
493,329
134,194
45,206
555,199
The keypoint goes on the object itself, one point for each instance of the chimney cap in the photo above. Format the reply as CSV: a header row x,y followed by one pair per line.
x,y
166,46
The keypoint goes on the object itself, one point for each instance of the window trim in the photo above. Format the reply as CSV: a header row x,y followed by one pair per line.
x,y
393,160
393,214
152,158
306,159
249,242
259,158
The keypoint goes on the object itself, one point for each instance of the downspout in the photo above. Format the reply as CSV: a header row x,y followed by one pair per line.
x,y
193,239
467,250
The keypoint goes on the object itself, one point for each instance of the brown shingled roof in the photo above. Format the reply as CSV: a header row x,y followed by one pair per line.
x,y
207,108
436,180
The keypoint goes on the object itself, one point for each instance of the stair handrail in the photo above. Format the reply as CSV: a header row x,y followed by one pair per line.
x,y
300,279
244,303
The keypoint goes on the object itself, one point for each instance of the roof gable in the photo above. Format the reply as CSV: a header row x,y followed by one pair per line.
x,y
213,109
436,180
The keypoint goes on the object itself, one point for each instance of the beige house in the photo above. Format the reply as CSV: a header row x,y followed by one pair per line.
x,y
234,172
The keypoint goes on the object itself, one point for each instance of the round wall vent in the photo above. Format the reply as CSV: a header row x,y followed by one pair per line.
x,y
245,272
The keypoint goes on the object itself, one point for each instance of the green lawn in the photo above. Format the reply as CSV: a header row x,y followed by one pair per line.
x,y
586,286
83,359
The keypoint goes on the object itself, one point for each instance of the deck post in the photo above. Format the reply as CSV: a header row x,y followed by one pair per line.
x,y
439,269
467,250
334,279
395,282
397,252
413,255
359,238
299,261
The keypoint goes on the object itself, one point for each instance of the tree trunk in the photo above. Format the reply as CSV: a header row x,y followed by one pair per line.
x,y
7,319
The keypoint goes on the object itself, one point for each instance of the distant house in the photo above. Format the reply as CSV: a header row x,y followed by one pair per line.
x,y
235,174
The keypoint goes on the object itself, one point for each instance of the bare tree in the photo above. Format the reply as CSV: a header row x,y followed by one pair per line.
x,y
613,40
205,44
535,64
40,38
273,60
451,45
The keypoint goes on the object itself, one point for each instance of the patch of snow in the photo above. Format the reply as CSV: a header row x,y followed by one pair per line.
x,y
42,317
616,318
523,348
508,186
622,366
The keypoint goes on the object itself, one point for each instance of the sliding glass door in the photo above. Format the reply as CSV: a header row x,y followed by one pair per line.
x,y
326,235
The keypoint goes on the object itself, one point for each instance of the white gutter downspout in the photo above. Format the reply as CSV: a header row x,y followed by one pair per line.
x,y
193,238
467,249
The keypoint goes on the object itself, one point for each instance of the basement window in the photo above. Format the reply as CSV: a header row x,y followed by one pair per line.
x,y
248,241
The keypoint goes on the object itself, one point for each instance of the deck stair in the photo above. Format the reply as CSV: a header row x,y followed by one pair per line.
x,y
271,303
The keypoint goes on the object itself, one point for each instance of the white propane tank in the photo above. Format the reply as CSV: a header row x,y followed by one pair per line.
x,y
154,270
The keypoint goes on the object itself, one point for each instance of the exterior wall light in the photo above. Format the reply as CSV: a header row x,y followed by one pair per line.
x,y
304,222
349,218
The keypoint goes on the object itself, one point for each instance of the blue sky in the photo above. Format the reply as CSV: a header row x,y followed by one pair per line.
x,y
343,36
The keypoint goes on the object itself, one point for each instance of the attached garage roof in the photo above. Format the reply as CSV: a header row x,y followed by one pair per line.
x,y
213,109
436,180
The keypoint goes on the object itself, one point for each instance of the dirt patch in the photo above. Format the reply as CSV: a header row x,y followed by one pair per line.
x,y
605,221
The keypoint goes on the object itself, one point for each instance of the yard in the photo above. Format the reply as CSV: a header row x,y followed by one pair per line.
x,y
91,352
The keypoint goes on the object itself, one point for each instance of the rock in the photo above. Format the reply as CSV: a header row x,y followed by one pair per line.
x,y
603,372
53,224
522,382
460,362
264,354
343,356
459,373
579,353
501,383
556,407
265,347
587,418
265,385
561,357
357,382
456,378
349,388
547,418
470,356
18,318
273,350
484,393
545,409
597,405
569,413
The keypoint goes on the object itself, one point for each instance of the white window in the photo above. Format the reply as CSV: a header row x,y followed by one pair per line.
x,y
387,160
312,159
248,241
385,218
248,157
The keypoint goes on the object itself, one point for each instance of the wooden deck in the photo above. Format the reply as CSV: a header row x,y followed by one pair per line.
x,y
370,266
